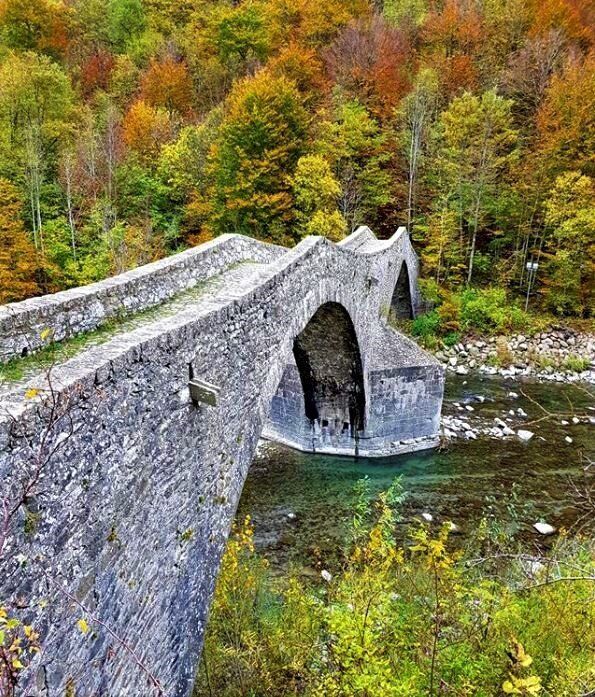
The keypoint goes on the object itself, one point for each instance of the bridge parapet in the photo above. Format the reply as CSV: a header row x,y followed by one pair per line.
x,y
78,310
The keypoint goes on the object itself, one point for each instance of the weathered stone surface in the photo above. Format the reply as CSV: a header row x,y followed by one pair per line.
x,y
139,483
79,310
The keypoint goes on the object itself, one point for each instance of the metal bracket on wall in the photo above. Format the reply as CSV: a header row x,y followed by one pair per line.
x,y
202,392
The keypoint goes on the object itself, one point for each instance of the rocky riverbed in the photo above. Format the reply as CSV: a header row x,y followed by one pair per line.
x,y
560,355
469,423
302,504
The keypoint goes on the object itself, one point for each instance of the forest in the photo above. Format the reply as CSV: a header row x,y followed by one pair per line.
x,y
132,129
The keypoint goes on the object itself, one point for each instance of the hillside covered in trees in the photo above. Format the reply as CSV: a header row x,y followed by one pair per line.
x,y
130,129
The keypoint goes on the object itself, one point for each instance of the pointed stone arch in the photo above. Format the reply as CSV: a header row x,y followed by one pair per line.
x,y
320,403
328,359
401,304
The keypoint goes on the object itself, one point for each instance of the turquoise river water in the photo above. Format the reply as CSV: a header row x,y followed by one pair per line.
x,y
300,503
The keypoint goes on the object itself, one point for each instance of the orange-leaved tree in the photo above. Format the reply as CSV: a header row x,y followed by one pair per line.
x,y
18,259
167,83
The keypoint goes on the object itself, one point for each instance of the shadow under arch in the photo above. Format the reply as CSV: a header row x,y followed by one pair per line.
x,y
401,304
320,403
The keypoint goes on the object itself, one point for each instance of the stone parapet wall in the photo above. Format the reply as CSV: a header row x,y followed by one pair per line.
x,y
71,312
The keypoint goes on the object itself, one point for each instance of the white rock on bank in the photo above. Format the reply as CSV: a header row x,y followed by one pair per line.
x,y
428,517
326,575
544,528
525,435
568,439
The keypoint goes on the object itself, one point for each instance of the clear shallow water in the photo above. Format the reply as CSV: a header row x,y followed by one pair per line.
x,y
452,484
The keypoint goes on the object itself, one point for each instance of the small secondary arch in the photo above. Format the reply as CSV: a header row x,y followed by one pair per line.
x,y
401,304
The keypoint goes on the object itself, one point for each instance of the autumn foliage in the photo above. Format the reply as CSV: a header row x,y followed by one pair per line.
x,y
130,128
18,260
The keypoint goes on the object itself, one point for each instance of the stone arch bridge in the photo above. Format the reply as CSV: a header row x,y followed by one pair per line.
x,y
130,454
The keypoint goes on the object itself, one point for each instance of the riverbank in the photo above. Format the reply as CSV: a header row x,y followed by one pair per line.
x,y
425,617
558,355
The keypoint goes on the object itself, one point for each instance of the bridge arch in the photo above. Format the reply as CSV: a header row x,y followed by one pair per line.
x,y
401,304
329,363
317,394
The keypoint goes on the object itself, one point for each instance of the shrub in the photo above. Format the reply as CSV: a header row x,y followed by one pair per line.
x,y
450,313
427,328
426,325
430,290
504,356
451,338
576,364
487,310
403,621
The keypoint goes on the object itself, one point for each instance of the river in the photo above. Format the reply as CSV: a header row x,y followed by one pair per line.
x,y
300,503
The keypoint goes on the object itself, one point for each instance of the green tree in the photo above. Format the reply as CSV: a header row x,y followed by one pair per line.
x,y
127,21
35,117
353,144
415,117
441,253
239,33
405,12
570,213
111,24
259,142
183,163
316,192
476,145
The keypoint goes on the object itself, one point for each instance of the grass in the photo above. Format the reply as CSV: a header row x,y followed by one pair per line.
x,y
54,352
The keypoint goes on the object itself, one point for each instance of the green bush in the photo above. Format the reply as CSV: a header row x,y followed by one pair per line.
x,y
426,325
451,338
473,310
424,618
485,310
576,364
